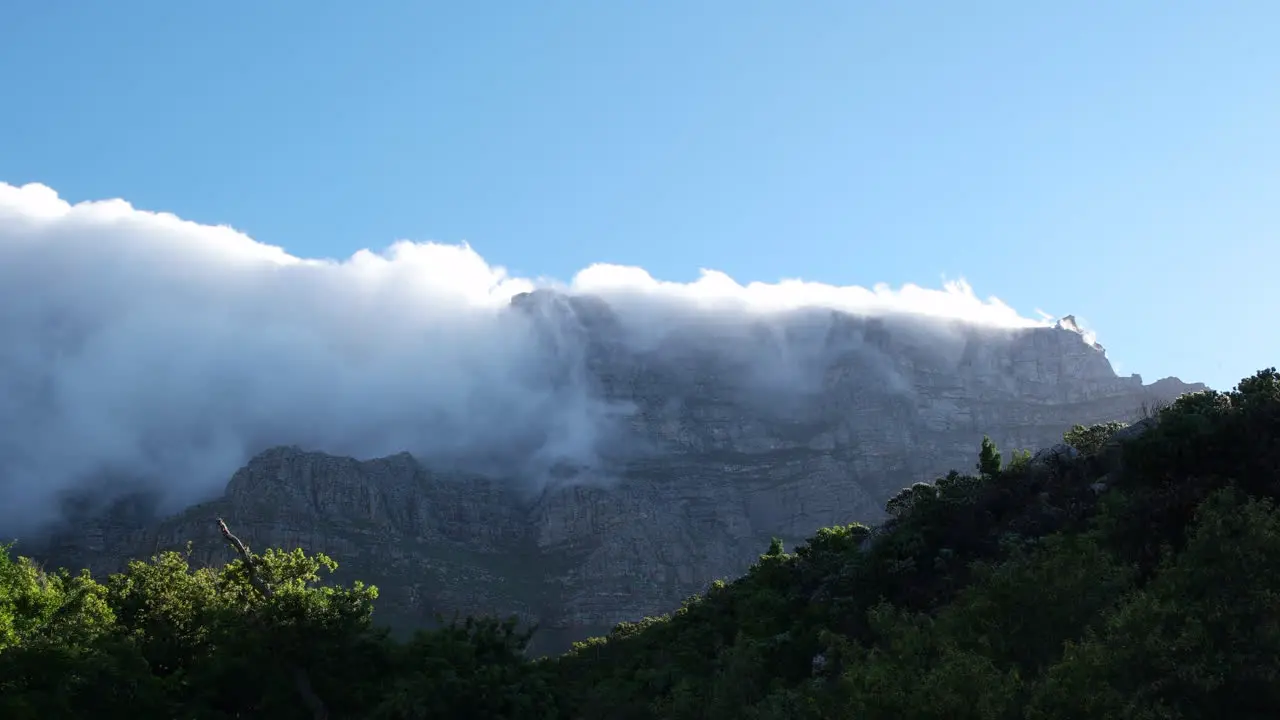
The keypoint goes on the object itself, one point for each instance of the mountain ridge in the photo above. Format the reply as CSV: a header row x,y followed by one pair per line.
x,y
699,468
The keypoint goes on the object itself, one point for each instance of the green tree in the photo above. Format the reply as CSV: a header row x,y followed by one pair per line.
x,y
775,548
989,462
470,669
1200,641
1089,440
1008,594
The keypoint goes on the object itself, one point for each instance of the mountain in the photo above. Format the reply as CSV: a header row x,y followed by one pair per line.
x,y
1120,574
706,442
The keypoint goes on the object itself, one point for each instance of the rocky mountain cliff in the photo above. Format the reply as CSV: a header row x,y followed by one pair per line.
x,y
710,441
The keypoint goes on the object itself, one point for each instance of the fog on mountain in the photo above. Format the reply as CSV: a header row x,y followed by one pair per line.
x,y
139,350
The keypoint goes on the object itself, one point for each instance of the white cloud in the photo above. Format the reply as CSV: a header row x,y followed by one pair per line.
x,y
138,345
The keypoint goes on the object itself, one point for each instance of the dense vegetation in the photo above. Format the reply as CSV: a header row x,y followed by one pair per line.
x,y
1130,575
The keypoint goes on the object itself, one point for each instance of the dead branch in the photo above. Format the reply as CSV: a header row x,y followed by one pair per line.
x,y
243,552
301,682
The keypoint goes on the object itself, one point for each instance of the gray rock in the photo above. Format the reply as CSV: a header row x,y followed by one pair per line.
x,y
1129,432
722,472
1111,454
1054,455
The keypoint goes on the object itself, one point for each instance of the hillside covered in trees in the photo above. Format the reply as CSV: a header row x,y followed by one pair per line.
x,y
1129,573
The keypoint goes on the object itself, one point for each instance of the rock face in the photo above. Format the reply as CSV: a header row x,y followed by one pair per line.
x,y
713,456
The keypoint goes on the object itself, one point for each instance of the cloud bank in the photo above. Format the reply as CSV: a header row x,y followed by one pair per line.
x,y
136,347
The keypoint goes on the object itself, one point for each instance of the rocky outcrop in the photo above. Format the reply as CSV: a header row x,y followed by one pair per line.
x,y
723,441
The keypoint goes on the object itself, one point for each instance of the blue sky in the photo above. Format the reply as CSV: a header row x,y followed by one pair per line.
x,y
1116,160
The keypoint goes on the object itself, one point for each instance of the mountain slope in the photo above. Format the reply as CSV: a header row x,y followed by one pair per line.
x,y
707,463
1132,581
1126,574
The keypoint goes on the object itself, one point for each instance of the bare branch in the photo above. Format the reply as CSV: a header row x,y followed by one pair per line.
x,y
243,552
301,682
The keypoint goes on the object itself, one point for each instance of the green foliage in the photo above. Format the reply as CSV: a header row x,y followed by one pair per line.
x,y
472,668
1089,440
1200,640
1014,592
988,458
163,639
1019,461
40,609
919,494
775,548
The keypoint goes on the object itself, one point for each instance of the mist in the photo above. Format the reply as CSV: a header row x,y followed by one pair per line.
x,y
139,349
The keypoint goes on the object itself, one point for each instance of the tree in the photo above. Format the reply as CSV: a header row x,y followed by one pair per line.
x,y
988,458
1009,594
468,669
1200,640
1089,440
775,548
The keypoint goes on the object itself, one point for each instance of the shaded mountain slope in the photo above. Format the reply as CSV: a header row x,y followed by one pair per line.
x,y
1128,573
711,461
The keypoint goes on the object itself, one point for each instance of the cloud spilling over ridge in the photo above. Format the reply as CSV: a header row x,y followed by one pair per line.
x,y
139,346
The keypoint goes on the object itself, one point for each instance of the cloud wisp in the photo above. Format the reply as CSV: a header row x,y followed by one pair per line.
x,y
139,346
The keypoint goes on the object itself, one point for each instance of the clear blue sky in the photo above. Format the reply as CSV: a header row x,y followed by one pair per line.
x,y
1119,160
